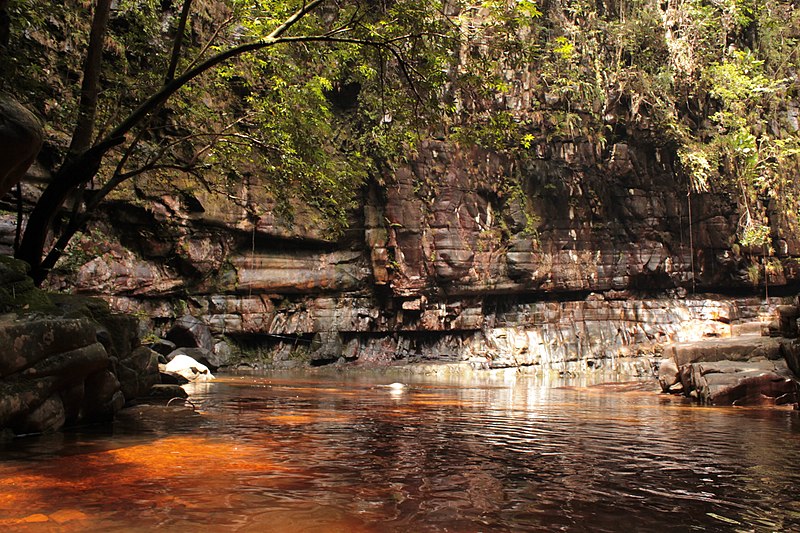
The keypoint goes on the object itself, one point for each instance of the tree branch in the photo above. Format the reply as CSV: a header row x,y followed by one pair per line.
x,y
178,42
275,37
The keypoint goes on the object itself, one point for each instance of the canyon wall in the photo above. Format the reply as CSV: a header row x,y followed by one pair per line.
x,y
592,261
584,200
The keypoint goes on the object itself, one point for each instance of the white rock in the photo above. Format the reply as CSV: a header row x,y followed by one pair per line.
x,y
187,367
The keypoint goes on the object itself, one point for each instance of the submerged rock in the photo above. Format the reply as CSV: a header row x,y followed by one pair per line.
x,y
165,390
150,418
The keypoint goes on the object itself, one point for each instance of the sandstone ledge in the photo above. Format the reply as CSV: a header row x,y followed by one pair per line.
x,y
739,371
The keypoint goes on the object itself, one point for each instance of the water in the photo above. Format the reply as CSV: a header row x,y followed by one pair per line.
x,y
291,453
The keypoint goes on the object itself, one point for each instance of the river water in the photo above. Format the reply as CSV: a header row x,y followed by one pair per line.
x,y
344,452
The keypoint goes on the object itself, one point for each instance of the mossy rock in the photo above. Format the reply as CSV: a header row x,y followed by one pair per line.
x,y
17,291
117,332
78,306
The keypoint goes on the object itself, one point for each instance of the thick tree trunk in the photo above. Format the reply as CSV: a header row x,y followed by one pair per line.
x,y
90,87
74,173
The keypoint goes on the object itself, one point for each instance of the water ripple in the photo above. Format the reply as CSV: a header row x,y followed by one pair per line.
x,y
342,454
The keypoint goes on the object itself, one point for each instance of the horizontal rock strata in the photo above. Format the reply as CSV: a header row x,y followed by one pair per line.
x,y
573,259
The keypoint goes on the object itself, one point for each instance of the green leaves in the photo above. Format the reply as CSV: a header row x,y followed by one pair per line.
x,y
739,80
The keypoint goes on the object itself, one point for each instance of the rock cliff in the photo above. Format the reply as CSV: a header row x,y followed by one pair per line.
x,y
572,226
591,262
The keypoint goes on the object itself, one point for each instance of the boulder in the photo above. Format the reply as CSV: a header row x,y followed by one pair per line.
x,y
668,374
72,397
201,355
754,387
787,320
169,378
790,350
138,373
167,390
745,370
31,340
21,137
118,333
724,349
63,357
187,367
102,397
48,417
18,398
70,367
740,382
163,346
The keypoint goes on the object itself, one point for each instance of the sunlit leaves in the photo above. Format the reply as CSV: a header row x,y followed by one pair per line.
x,y
564,49
696,164
739,80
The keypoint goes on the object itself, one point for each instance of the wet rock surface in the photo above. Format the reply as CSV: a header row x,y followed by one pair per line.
x,y
741,370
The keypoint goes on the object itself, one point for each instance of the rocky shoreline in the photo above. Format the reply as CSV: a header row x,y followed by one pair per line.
x,y
73,361
748,368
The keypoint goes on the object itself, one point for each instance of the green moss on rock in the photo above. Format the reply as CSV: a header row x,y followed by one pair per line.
x,y
17,291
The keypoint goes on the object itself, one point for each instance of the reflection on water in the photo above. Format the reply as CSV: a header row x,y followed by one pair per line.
x,y
346,453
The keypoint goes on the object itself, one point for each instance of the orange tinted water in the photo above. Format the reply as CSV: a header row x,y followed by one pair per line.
x,y
290,453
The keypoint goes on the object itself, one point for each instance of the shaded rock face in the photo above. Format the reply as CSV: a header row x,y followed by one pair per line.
x,y
73,362
48,372
191,332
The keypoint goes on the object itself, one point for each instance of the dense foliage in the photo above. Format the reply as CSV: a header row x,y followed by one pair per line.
x,y
355,83
715,82
282,112
300,98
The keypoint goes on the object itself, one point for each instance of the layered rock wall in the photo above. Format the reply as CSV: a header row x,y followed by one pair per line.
x,y
589,245
64,361
576,258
